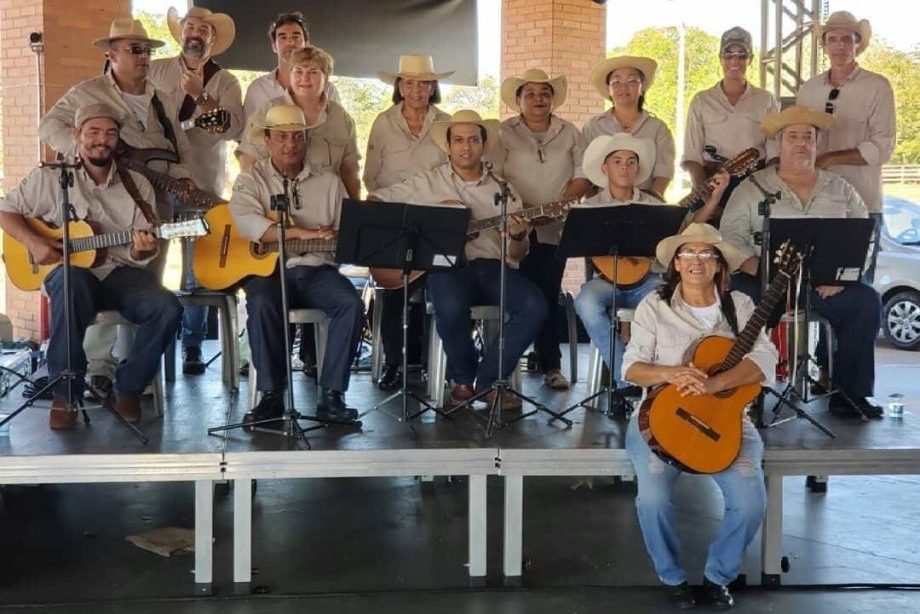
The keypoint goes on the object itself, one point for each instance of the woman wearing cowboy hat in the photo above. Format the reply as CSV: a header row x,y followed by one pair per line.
x,y
541,156
624,80
333,144
399,146
694,302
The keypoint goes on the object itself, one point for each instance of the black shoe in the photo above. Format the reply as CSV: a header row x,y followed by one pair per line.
x,y
390,379
270,407
191,361
332,406
839,406
717,595
681,595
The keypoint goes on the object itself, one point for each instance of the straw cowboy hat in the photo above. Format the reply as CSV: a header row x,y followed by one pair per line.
x,y
418,67
647,66
125,27
224,28
604,145
774,122
283,117
699,233
845,20
439,128
511,85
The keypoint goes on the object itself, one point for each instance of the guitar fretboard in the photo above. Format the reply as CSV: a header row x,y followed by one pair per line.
x,y
110,239
300,246
748,335
551,210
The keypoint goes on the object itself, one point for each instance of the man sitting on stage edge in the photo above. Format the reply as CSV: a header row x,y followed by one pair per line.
x,y
853,311
465,180
101,195
313,280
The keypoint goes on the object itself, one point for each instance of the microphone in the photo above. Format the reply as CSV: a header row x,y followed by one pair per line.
x,y
504,192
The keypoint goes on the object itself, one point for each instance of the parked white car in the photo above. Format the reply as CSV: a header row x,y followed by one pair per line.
x,y
897,275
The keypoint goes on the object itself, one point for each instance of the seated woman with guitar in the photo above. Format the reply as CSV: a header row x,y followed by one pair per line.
x,y
694,302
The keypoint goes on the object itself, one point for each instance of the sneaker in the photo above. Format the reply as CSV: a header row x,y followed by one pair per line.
x,y
555,380
128,407
717,595
839,406
191,361
390,379
61,418
681,595
332,406
270,407
99,389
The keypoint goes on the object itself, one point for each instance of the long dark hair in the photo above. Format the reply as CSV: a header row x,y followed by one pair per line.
x,y
672,278
433,98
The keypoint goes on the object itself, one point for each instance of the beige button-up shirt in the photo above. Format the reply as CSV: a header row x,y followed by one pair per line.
x,y
331,141
648,127
316,200
714,121
108,206
266,88
864,119
541,165
832,197
394,153
208,162
442,184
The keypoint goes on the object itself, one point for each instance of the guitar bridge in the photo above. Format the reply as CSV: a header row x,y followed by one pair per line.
x,y
698,424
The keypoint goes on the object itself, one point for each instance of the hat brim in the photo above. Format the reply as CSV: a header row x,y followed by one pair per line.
x,y
391,77
647,66
601,147
775,122
223,24
257,130
492,127
511,85
103,43
862,27
666,249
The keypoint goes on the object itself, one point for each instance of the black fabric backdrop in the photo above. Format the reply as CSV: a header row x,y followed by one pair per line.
x,y
363,36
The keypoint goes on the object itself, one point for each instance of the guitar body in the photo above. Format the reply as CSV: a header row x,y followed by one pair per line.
x,y
629,270
224,257
28,275
392,279
701,434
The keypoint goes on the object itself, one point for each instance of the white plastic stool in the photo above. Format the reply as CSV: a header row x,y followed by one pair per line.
x,y
226,305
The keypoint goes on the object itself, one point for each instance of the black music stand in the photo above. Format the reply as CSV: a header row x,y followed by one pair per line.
x,y
406,238
834,251
632,230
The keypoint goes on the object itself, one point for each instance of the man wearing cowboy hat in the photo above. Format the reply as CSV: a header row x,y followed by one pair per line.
x,y
465,180
313,278
287,33
854,311
120,281
199,85
862,138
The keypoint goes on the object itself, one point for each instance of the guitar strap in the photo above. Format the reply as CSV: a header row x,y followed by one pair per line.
x,y
128,181
728,310
168,131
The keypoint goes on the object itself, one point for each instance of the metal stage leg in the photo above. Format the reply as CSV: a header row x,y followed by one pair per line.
x,y
204,536
242,534
772,534
477,529
514,516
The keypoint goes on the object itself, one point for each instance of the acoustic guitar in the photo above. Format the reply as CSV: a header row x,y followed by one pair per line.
x,y
392,279
739,166
214,122
702,434
225,257
85,247
136,159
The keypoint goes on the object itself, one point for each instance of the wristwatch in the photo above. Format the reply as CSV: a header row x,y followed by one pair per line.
x,y
203,98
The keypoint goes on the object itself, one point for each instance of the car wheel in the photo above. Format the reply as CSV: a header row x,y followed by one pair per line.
x,y
901,320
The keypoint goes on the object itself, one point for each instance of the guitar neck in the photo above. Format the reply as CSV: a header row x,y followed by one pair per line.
x,y
748,335
301,246
547,210
165,183
94,242
739,165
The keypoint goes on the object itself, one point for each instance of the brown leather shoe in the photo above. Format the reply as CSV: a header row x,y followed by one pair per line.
x,y
60,417
510,402
460,393
128,407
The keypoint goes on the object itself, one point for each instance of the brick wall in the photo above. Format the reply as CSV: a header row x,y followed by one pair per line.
x,y
561,37
69,28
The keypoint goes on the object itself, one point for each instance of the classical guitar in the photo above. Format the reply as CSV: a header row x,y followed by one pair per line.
x,y
215,122
136,160
225,257
85,247
739,166
392,279
702,434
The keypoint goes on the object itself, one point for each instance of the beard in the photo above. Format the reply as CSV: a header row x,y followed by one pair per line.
x,y
194,51
100,160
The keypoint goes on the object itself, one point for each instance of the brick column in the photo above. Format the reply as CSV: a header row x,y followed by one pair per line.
x,y
68,30
561,37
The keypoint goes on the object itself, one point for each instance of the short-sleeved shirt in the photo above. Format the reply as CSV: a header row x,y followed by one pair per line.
x,y
647,127
541,165
266,87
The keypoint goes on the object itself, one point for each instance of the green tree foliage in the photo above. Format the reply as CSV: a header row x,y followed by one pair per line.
x,y
903,71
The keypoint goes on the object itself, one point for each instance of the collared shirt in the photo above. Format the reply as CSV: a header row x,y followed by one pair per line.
x,y
714,121
265,88
541,165
394,153
318,193
832,196
208,161
108,206
663,331
864,119
331,141
443,184
647,127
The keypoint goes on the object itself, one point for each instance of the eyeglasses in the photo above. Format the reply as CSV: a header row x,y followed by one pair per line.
x,y
831,97
737,55
702,256
631,82
138,50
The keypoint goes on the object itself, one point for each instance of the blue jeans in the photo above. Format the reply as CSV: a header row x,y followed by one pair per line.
x,y
133,292
745,498
593,305
453,292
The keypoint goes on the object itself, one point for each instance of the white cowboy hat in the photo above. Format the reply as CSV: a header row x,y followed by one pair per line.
x,y
491,126
791,116
418,67
845,20
647,66
699,233
224,28
126,27
283,117
511,85
604,145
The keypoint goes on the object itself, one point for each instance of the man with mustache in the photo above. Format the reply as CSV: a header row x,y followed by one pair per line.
x,y
101,195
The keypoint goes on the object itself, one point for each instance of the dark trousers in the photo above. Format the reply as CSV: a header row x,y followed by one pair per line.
x,y
391,325
310,287
453,292
138,296
545,270
855,315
